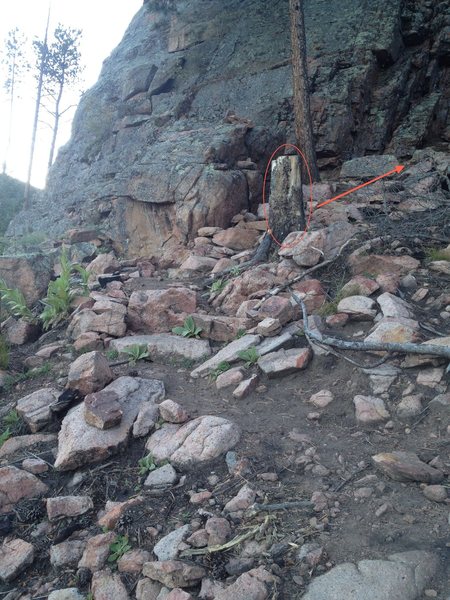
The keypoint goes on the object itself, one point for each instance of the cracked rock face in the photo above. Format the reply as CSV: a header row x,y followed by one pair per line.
x,y
160,143
198,441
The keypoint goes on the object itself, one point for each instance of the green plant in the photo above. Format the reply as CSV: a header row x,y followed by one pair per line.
x,y
189,329
217,286
4,353
83,278
136,352
12,418
15,302
118,548
221,368
146,464
12,380
235,271
240,333
435,254
5,436
112,354
250,356
59,295
90,596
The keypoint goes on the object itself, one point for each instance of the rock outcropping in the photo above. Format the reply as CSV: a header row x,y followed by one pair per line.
x,y
188,108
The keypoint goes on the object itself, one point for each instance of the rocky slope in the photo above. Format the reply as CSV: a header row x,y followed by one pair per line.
x,y
160,144
245,459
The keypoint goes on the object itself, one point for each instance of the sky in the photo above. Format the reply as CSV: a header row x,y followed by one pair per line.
x,y
103,23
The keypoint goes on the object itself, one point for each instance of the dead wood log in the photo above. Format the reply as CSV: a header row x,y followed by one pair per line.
x,y
406,348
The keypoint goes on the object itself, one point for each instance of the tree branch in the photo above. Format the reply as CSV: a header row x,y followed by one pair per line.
x,y
407,348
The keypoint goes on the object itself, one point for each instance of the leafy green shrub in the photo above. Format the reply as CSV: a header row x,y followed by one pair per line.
x,y
250,356
136,352
146,464
59,296
15,302
435,254
118,548
84,278
5,436
222,367
218,286
4,353
112,354
12,418
189,329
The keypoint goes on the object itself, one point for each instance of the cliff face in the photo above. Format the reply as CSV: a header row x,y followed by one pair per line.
x,y
159,144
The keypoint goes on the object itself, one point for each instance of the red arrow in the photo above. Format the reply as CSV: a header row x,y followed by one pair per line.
x,y
398,169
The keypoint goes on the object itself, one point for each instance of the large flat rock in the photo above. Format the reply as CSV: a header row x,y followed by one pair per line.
x,y
81,444
228,354
196,442
166,345
401,577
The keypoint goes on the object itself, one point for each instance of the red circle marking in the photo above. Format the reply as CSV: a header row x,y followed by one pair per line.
x,y
266,217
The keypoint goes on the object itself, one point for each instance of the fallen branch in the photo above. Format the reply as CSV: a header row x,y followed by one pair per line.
x,y
406,348
234,542
279,506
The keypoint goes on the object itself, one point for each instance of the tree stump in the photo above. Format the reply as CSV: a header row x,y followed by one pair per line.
x,y
286,207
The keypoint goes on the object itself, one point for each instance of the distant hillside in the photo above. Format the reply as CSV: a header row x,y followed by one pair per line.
x,y
11,199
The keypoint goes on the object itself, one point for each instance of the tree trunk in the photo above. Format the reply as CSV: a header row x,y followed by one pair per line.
x,y
11,110
286,212
302,112
55,124
26,198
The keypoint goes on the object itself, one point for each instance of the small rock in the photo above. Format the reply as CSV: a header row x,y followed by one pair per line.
x,y
406,466
68,506
162,477
179,594
67,554
228,354
393,306
359,308
103,409
269,327
436,493
66,594
199,539
147,589
168,547
243,500
16,485
15,556
218,530
370,409
430,377
174,573
282,362
146,420
409,406
35,465
172,412
89,373
106,585
198,441
97,551
246,387
230,377
35,408
311,553
200,497
322,399
133,561
249,586
114,510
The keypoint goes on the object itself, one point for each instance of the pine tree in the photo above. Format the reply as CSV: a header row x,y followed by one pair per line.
x,y
62,69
